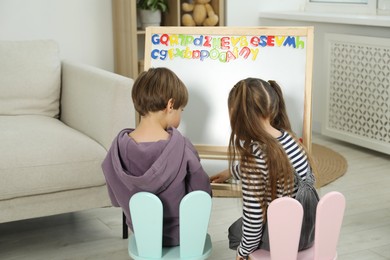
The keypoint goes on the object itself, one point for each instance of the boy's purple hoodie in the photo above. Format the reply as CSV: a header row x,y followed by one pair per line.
x,y
168,168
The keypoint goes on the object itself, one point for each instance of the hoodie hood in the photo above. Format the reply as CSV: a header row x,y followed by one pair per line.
x,y
125,152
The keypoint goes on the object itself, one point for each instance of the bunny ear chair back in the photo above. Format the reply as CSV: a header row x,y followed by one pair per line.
x,y
284,232
146,212
284,239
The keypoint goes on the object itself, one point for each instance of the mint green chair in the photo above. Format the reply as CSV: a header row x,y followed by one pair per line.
x,y
146,212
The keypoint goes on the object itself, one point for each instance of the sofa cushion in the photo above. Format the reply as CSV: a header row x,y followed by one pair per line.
x,y
30,78
42,155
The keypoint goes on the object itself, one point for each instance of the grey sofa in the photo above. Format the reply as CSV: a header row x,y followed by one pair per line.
x,y
57,121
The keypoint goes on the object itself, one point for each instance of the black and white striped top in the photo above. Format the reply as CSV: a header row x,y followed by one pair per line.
x,y
252,212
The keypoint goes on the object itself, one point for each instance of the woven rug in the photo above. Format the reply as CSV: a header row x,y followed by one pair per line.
x,y
330,166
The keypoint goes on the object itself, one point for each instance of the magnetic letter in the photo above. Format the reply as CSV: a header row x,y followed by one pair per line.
x,y
254,41
230,56
300,43
204,55
225,42
263,41
279,40
270,41
155,39
164,39
163,54
245,52
289,41
154,54
207,41
198,41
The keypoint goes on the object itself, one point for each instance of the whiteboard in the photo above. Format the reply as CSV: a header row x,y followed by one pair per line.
x,y
211,60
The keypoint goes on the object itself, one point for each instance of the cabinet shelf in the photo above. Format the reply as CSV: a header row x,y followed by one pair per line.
x,y
129,41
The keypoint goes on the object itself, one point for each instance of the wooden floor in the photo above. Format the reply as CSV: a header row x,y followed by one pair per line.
x,y
96,234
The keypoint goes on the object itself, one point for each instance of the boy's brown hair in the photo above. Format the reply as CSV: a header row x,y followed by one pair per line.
x,y
155,87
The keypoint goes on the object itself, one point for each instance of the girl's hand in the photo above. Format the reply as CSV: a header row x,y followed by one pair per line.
x,y
220,177
239,257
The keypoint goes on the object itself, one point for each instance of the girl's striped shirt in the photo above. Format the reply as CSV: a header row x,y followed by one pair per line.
x,y
252,212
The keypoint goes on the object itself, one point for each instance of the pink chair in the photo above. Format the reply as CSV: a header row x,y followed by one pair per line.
x,y
284,224
330,214
329,217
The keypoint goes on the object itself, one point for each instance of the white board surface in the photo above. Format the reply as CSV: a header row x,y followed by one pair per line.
x,y
210,60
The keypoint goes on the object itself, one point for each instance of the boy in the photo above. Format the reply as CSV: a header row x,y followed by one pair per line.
x,y
155,157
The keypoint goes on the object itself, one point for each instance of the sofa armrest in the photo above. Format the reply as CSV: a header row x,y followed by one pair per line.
x,y
96,102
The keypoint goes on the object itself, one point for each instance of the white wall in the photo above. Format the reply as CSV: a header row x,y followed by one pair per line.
x,y
242,13
83,28
246,13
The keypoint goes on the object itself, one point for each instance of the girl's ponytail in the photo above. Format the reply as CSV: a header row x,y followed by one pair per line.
x,y
280,120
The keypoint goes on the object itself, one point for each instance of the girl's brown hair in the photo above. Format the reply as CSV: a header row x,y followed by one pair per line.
x,y
155,87
249,100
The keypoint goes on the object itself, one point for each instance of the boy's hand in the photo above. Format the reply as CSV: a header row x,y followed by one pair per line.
x,y
220,177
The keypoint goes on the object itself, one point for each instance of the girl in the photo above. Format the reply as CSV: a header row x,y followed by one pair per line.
x,y
263,154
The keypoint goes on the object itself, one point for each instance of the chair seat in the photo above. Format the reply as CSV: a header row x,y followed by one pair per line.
x,y
307,254
146,211
329,217
260,254
170,252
